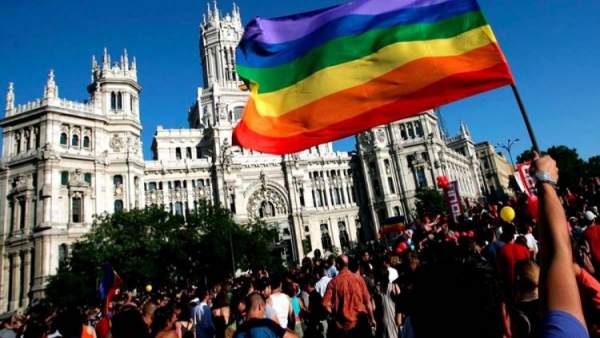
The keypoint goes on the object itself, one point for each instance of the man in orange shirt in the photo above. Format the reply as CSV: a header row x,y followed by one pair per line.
x,y
349,302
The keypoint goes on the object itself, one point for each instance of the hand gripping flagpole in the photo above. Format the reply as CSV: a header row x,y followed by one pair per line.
x,y
525,118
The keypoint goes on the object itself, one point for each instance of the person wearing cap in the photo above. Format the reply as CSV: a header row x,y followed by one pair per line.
x,y
592,236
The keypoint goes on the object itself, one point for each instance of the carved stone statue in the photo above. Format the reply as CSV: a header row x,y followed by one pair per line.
x,y
116,143
48,152
226,155
76,178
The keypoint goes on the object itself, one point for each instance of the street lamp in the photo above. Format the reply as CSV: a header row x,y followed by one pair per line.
x,y
508,146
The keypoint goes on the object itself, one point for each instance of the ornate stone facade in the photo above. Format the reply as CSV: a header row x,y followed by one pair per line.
x,y
404,156
310,196
64,162
496,170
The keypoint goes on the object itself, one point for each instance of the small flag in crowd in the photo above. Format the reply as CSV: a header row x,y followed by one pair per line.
x,y
323,75
107,290
393,225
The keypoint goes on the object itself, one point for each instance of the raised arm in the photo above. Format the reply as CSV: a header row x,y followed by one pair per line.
x,y
558,281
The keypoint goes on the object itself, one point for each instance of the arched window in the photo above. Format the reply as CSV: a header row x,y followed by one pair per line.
x,y
75,140
86,141
27,140
119,100
325,238
76,209
237,113
118,206
179,208
419,129
344,237
403,132
113,100
411,130
18,143
63,253
267,209
64,177
117,180
63,139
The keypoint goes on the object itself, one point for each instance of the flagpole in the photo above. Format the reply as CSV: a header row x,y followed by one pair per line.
x,y
525,118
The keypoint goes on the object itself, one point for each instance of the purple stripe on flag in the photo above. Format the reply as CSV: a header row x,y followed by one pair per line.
x,y
288,28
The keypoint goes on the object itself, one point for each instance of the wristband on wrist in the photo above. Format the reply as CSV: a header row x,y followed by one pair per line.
x,y
545,177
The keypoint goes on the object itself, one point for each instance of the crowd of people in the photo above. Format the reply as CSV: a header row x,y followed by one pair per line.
x,y
478,277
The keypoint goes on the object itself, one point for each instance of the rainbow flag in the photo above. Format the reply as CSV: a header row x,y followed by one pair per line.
x,y
326,74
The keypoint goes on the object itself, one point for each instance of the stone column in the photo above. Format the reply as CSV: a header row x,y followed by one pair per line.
x,y
400,180
28,213
47,194
16,282
37,284
4,281
13,220
370,195
334,231
219,63
327,198
27,274
351,229
385,189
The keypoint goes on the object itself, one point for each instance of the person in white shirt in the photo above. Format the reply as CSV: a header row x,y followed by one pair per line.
x,y
321,285
392,272
280,302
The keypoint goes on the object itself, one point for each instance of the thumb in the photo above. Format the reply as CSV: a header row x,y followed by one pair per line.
x,y
536,155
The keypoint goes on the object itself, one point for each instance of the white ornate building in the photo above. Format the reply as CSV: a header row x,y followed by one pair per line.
x,y
64,162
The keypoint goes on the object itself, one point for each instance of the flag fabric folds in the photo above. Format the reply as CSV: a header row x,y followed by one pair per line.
x,y
323,75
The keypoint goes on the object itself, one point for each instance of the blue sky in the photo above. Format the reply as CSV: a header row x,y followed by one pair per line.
x,y
552,46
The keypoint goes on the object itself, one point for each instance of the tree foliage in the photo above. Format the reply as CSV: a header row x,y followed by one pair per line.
x,y
571,167
592,167
154,246
430,201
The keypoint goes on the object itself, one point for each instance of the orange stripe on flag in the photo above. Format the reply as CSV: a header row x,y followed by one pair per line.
x,y
389,88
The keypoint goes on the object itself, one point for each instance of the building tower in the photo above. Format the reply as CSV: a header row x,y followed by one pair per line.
x,y
220,102
115,92
64,162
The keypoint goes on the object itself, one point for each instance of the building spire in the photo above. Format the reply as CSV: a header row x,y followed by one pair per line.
x,y
209,11
133,64
216,11
94,68
464,130
51,89
105,59
126,59
236,13
10,97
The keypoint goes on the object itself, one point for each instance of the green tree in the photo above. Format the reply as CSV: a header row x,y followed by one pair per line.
x,y
525,156
592,167
567,159
154,246
430,201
